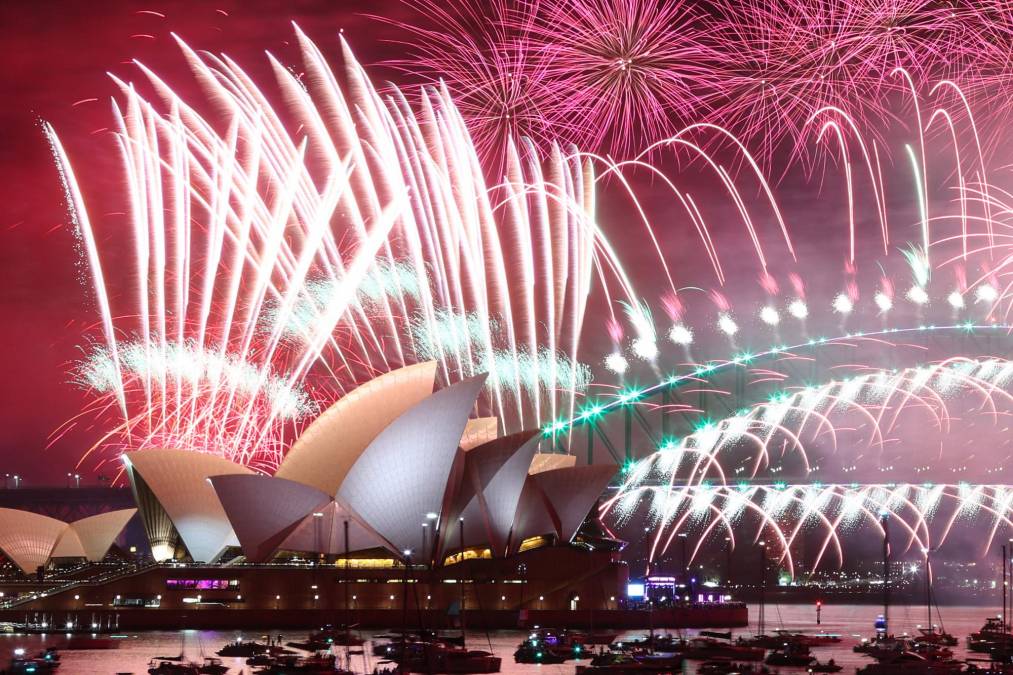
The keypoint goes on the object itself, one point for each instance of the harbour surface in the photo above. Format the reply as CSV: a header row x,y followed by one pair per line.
x,y
852,622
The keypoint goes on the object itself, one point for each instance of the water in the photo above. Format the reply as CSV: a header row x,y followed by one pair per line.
x,y
850,621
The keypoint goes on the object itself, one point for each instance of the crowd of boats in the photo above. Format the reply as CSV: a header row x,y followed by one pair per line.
x,y
331,650
929,652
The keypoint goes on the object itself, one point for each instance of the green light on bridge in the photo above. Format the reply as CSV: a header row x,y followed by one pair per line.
x,y
706,424
593,411
629,396
556,427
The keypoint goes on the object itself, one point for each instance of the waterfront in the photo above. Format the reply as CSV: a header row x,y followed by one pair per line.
x,y
851,621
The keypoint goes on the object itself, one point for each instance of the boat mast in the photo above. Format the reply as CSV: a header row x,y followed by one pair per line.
x,y
1004,624
886,573
460,531
761,616
928,589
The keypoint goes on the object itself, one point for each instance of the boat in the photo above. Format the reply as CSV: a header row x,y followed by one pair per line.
x,y
663,642
340,636
243,648
293,664
439,657
44,662
820,639
264,659
881,647
172,668
932,651
212,666
790,654
50,655
530,653
626,664
830,666
993,634
309,645
909,663
940,637
706,649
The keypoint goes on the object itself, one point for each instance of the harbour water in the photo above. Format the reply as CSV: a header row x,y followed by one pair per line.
x,y
852,622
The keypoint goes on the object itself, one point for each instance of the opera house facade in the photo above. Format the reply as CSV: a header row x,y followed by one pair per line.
x,y
394,500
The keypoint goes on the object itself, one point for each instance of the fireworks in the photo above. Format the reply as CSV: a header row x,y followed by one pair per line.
x,y
600,73
280,255
291,266
689,483
627,72
926,515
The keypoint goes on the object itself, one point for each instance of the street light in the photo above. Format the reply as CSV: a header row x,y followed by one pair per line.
x,y
685,564
728,561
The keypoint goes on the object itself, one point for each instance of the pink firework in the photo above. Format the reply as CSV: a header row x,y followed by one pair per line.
x,y
482,53
784,61
625,73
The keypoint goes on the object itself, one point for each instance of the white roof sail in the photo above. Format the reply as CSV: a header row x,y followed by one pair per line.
x,y
179,481
325,452
95,534
403,474
264,510
27,538
572,493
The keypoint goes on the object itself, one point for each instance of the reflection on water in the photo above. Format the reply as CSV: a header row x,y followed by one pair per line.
x,y
851,621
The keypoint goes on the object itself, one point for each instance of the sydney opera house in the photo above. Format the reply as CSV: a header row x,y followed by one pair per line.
x,y
393,500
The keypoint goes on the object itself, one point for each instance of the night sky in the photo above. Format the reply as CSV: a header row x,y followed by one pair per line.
x,y
56,56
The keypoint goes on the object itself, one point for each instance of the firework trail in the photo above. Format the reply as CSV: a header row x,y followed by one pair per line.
x,y
688,483
498,80
599,73
826,515
627,72
264,261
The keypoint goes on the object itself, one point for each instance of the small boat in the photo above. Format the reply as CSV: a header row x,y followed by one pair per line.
x,y
663,642
212,666
45,662
172,668
909,663
341,636
830,666
310,645
992,635
790,654
881,647
808,639
530,653
439,657
625,664
932,636
243,648
288,664
706,649
50,655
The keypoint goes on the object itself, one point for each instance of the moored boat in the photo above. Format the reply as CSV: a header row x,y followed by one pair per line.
x,y
439,657
909,663
790,654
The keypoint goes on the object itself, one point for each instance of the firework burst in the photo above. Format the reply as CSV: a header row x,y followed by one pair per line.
x,y
627,72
